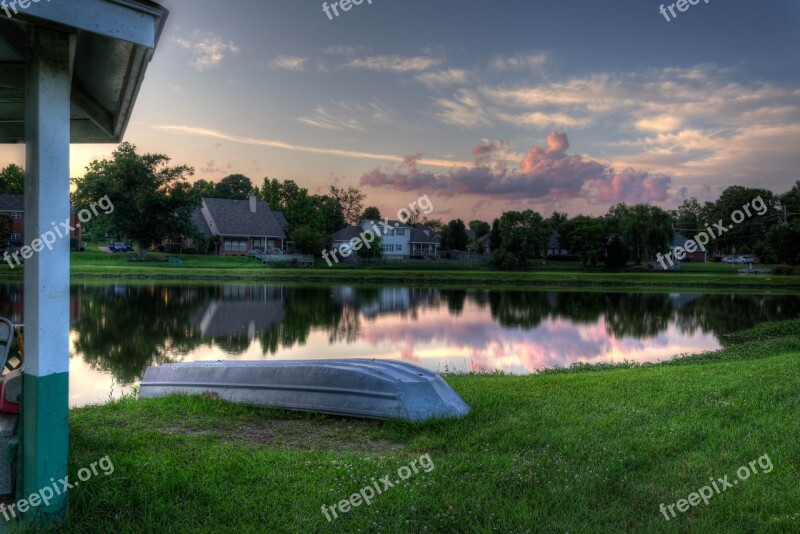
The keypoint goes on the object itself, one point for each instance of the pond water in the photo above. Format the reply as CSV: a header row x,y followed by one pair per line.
x,y
118,330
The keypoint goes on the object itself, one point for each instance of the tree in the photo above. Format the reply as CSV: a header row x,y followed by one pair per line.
x,y
204,189
289,190
270,193
752,229
6,225
481,228
308,240
688,218
454,235
646,230
371,214
586,238
235,186
616,253
351,200
374,251
437,225
151,199
12,179
523,234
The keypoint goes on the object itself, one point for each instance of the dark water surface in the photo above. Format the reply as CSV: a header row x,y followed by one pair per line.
x,y
118,330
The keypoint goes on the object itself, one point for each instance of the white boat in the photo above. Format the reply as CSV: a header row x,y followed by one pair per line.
x,y
373,389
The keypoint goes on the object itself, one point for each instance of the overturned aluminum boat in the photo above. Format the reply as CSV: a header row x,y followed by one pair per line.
x,y
373,389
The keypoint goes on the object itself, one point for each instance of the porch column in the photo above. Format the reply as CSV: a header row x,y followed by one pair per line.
x,y
45,399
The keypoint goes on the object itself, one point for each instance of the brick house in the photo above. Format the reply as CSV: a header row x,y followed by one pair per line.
x,y
241,225
13,205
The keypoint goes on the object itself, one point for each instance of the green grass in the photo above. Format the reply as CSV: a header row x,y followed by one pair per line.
x,y
582,450
98,265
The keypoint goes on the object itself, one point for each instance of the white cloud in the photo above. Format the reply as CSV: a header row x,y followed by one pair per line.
x,y
395,63
534,61
291,63
348,116
207,50
444,78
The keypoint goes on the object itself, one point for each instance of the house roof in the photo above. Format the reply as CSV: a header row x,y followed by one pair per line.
x,y
12,202
554,241
347,233
393,222
234,218
281,218
423,234
200,221
114,42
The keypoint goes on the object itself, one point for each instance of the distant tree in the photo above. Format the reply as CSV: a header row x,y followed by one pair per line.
x,y
454,235
308,240
204,189
495,239
689,216
434,224
12,179
351,200
557,220
6,225
523,234
616,253
270,192
289,190
370,213
151,199
481,228
328,214
646,230
374,252
783,242
586,238
235,186
753,229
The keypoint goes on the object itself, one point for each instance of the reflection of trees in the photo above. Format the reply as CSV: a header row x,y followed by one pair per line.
x,y
455,300
123,330
307,308
524,309
637,314
723,314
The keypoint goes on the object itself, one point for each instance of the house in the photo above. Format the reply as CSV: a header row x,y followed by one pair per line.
x,y
398,240
554,247
241,225
13,205
679,240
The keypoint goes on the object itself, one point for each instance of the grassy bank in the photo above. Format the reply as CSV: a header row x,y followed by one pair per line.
x,y
581,450
97,265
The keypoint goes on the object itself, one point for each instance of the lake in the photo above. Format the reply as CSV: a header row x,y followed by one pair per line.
x,y
118,330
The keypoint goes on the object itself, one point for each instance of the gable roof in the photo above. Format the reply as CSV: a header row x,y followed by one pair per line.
x,y
234,218
423,234
200,221
347,233
12,202
281,218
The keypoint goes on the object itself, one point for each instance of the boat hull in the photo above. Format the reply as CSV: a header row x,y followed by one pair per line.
x,y
372,389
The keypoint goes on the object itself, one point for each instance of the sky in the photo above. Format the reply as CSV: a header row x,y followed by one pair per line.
x,y
569,105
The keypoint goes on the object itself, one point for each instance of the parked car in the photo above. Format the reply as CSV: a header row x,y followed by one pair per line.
x,y
120,247
749,259
732,260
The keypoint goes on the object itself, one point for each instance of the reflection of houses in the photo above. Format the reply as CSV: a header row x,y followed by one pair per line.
x,y
384,300
241,225
241,311
400,241
11,302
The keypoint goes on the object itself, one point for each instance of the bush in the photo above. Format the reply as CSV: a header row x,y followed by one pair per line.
x,y
171,249
191,251
785,271
505,261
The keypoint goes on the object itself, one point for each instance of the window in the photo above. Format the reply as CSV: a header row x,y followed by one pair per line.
x,y
401,231
16,215
15,236
398,248
235,245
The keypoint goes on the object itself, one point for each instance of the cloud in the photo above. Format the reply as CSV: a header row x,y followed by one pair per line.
x,y
444,78
464,108
211,168
270,143
348,116
207,50
519,62
545,173
394,63
290,63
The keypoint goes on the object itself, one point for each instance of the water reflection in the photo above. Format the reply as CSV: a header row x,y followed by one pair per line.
x,y
117,331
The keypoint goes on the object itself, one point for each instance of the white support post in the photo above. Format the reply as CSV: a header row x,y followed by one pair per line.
x,y
45,400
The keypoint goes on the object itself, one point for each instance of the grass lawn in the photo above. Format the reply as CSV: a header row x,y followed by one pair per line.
x,y
580,450
94,264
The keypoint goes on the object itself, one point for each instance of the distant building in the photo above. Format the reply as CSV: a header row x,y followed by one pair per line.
x,y
679,240
399,241
554,247
13,205
241,225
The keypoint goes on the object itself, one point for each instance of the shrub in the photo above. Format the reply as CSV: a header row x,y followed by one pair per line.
x,y
505,261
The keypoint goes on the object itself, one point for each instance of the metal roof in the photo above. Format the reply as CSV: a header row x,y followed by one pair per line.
x,y
114,43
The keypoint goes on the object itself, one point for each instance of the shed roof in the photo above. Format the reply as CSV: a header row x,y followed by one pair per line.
x,y
114,42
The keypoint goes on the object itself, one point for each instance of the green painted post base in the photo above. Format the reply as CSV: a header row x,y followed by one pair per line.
x,y
44,442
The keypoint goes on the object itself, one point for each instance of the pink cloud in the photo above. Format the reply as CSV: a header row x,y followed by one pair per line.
x,y
545,173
